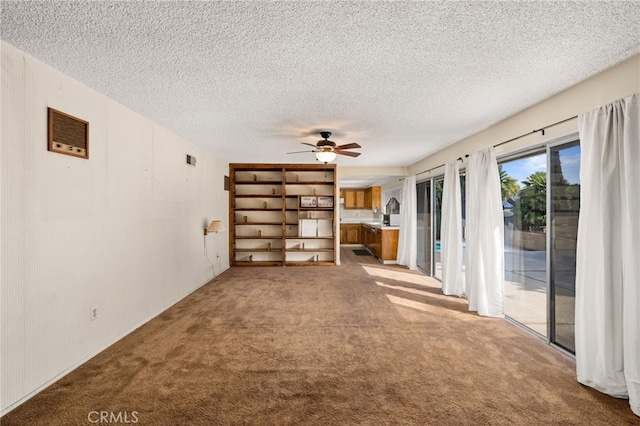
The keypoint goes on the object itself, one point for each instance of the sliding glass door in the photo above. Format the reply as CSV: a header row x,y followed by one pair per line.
x,y
463,192
424,226
564,184
437,257
541,203
524,200
429,225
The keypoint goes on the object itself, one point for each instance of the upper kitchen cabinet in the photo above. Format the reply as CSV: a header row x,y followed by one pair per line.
x,y
375,197
354,198
361,198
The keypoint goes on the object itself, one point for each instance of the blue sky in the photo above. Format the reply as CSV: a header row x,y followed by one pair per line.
x,y
570,159
522,168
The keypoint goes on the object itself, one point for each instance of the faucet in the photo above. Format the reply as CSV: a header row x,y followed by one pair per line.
x,y
375,215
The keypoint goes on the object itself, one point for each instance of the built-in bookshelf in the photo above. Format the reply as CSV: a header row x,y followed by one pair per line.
x,y
282,214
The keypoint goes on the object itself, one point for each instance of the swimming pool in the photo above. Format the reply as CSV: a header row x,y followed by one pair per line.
x,y
464,246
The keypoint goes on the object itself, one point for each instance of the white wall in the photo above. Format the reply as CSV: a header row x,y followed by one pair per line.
x,y
357,214
121,231
615,83
364,177
350,172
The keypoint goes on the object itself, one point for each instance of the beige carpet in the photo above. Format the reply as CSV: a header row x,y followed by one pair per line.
x,y
358,344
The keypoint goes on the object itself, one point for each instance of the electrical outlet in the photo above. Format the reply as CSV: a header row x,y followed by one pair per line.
x,y
93,313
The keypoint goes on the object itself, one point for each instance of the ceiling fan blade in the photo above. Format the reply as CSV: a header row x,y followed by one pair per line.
x,y
349,146
310,144
298,152
349,153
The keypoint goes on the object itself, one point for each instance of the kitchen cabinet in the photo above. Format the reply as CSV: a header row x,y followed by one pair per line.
x,y
362,198
350,233
376,198
383,243
354,199
389,244
349,199
372,240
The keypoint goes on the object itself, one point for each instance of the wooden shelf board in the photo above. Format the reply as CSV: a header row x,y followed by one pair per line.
x,y
309,250
258,263
308,263
258,210
310,182
259,250
252,167
309,195
310,238
258,182
258,223
264,237
258,195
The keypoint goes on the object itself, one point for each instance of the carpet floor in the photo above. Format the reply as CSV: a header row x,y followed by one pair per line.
x,y
356,344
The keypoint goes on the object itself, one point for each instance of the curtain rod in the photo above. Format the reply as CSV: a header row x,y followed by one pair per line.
x,y
542,129
441,165
433,168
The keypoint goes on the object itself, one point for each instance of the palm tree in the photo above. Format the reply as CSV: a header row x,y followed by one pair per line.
x,y
533,201
508,186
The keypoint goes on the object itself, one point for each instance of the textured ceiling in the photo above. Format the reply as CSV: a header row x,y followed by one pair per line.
x,y
250,80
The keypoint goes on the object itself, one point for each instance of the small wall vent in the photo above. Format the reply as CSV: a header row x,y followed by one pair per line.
x,y
191,160
67,134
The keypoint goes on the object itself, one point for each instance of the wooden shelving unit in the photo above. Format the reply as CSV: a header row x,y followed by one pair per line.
x,y
269,224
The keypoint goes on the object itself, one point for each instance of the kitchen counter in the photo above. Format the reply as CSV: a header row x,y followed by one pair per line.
x,y
369,223
378,225
381,240
355,220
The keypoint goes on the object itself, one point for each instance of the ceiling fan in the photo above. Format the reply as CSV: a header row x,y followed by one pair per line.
x,y
327,150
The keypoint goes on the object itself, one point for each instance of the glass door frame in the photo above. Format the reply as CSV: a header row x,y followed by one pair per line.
x,y
432,219
545,148
551,308
532,150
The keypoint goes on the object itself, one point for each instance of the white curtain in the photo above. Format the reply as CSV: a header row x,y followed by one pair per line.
x,y
485,241
608,251
451,232
408,238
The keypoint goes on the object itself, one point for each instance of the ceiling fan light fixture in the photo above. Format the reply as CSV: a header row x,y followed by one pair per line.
x,y
326,156
327,150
